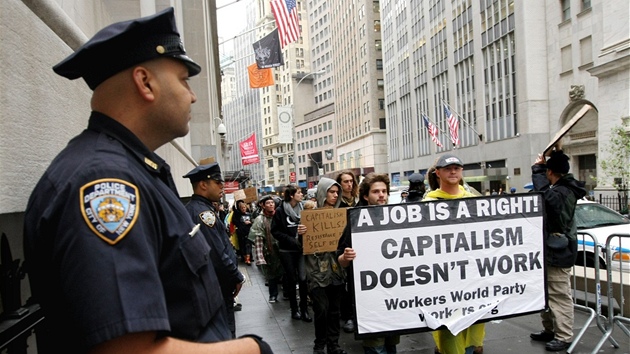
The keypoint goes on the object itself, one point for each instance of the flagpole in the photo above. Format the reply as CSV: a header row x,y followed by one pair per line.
x,y
479,136
246,32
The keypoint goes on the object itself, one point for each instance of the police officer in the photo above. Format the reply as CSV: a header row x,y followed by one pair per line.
x,y
207,183
113,256
416,188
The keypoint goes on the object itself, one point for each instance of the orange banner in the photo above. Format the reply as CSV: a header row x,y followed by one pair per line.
x,y
259,77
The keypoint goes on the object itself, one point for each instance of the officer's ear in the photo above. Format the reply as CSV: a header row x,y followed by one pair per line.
x,y
143,81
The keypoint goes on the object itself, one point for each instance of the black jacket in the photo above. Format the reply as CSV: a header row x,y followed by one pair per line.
x,y
560,201
284,230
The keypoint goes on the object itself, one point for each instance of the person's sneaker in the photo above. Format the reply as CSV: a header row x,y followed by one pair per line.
x,y
348,327
542,336
238,307
273,299
296,315
557,345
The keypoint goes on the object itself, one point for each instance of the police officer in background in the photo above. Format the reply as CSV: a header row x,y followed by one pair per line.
x,y
207,183
416,188
113,257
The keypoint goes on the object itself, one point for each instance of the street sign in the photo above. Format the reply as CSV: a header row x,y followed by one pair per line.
x,y
292,177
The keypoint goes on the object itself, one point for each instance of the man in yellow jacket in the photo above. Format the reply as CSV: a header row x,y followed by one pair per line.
x,y
449,172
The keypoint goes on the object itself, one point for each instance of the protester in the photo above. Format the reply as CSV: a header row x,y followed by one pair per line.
x,y
349,198
449,174
349,188
326,280
207,183
286,228
560,192
266,246
242,223
374,190
112,255
416,188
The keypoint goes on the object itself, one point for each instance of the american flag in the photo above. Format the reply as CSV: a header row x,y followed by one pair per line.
x,y
453,125
286,14
432,129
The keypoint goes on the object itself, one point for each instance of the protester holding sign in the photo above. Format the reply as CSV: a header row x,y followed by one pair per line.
x,y
286,228
448,173
374,190
325,280
561,192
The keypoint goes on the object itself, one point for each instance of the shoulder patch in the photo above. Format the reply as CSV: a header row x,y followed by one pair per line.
x,y
208,218
110,208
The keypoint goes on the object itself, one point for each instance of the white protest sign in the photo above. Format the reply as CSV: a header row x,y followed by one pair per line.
x,y
447,262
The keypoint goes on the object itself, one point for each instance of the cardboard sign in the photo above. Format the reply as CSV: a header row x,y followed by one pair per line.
x,y
447,263
565,129
251,195
325,227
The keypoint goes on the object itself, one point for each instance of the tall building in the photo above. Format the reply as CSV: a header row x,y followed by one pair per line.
x,y
359,87
288,95
512,73
241,111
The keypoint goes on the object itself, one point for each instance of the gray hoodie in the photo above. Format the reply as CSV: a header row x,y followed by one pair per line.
x,y
322,190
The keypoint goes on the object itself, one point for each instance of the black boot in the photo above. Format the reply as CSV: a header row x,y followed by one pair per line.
x,y
305,316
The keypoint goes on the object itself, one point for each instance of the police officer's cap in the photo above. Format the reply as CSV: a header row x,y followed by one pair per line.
x,y
416,178
124,44
203,172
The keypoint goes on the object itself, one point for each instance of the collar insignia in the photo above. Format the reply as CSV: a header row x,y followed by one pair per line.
x,y
151,164
208,218
110,207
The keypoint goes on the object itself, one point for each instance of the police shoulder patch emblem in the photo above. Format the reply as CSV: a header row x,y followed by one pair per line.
x,y
208,218
110,208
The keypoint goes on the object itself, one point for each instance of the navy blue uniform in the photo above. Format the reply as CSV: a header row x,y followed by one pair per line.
x,y
109,250
222,253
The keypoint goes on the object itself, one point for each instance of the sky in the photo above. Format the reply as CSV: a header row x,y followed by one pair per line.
x,y
230,19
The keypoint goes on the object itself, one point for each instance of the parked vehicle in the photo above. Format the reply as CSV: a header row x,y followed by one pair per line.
x,y
601,221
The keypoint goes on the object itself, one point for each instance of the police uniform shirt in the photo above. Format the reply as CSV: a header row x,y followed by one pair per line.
x,y
222,253
108,247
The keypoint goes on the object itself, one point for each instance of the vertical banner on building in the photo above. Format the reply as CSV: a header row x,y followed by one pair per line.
x,y
249,151
285,125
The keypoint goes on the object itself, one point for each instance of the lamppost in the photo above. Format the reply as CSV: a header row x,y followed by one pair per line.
x,y
293,136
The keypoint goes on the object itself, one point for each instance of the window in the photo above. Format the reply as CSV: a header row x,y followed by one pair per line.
x,y
377,25
379,64
586,51
378,45
566,9
565,55
586,4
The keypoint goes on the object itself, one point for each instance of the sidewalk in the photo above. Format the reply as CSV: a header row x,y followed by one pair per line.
x,y
285,335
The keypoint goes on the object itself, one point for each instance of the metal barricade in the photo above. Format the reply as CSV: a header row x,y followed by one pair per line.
x,y
586,285
618,283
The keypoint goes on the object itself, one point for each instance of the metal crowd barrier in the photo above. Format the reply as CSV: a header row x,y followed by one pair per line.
x,y
586,285
616,291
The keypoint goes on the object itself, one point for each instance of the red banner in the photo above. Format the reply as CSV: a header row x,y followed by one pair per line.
x,y
249,151
230,187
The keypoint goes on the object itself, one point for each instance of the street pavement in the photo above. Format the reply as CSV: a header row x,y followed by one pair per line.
x,y
285,335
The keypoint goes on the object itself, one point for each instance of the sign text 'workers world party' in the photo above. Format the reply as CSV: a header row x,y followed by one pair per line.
x,y
447,262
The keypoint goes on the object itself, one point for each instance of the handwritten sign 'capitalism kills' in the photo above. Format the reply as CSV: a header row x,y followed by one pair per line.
x,y
324,228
